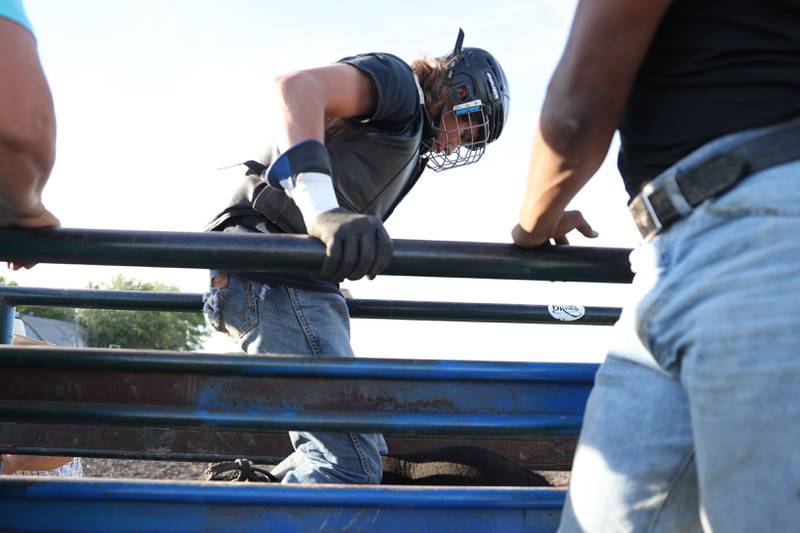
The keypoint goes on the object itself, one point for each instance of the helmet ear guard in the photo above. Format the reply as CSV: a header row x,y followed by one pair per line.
x,y
478,91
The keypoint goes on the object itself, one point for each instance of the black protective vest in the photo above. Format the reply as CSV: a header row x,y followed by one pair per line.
x,y
372,171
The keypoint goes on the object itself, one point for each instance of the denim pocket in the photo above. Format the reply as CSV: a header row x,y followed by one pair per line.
x,y
232,309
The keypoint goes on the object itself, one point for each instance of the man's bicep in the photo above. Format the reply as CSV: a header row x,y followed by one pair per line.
x,y
26,105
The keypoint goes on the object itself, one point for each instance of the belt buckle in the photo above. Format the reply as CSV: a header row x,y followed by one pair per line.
x,y
644,216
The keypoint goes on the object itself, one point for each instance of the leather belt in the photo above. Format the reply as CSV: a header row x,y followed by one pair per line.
x,y
711,170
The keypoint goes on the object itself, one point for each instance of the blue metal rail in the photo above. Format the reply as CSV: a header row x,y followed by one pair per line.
x,y
271,393
100,506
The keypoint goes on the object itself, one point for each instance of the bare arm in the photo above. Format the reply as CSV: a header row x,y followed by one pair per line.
x,y
355,244
27,130
583,106
305,98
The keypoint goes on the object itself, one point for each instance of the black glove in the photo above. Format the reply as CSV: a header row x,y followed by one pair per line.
x,y
356,245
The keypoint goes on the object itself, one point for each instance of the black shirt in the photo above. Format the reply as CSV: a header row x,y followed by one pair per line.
x,y
714,67
398,98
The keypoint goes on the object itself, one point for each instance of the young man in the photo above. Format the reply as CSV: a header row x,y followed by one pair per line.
x,y
354,138
694,421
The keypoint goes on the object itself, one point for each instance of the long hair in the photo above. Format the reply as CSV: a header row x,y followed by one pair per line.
x,y
432,74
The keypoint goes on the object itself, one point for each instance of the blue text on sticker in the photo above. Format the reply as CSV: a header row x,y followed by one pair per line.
x,y
467,107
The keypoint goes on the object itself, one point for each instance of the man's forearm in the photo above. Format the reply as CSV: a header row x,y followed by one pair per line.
x,y
553,180
22,178
569,146
585,100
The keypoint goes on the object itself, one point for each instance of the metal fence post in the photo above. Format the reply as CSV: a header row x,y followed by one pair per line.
x,y
7,313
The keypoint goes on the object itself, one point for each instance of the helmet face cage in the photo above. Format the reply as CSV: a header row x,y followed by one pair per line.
x,y
469,124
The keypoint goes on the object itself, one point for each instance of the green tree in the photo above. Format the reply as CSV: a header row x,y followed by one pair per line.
x,y
160,330
56,313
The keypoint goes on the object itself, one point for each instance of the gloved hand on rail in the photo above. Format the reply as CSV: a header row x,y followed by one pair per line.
x,y
356,245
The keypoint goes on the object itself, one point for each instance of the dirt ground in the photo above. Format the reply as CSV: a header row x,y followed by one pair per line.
x,y
121,468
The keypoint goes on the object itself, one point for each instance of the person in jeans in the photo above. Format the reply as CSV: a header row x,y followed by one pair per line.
x,y
354,138
694,420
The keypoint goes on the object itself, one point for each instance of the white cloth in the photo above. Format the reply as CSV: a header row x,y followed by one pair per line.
x,y
313,193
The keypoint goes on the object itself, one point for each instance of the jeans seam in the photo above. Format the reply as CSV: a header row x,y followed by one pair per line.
x,y
734,211
314,344
361,456
684,465
646,337
311,339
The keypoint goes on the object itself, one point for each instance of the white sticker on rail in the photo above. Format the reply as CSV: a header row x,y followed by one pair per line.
x,y
566,313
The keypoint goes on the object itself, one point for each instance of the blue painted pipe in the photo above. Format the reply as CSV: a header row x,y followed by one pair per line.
x,y
22,488
471,424
275,365
263,393
122,506
7,313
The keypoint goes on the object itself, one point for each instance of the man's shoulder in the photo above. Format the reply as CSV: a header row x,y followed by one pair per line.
x,y
379,62
384,57
398,94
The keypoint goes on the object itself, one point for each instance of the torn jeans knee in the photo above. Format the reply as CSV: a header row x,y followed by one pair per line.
x,y
211,309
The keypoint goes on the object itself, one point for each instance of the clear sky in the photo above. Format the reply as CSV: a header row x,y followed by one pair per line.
x,y
153,96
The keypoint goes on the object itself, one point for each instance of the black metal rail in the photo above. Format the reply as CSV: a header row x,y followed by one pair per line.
x,y
282,253
380,309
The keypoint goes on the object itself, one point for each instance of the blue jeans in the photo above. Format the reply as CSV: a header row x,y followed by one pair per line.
x,y
694,421
268,319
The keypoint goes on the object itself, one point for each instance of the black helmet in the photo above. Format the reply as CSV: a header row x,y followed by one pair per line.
x,y
478,89
475,74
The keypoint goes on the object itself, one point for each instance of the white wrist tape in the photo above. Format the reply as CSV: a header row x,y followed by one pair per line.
x,y
313,193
